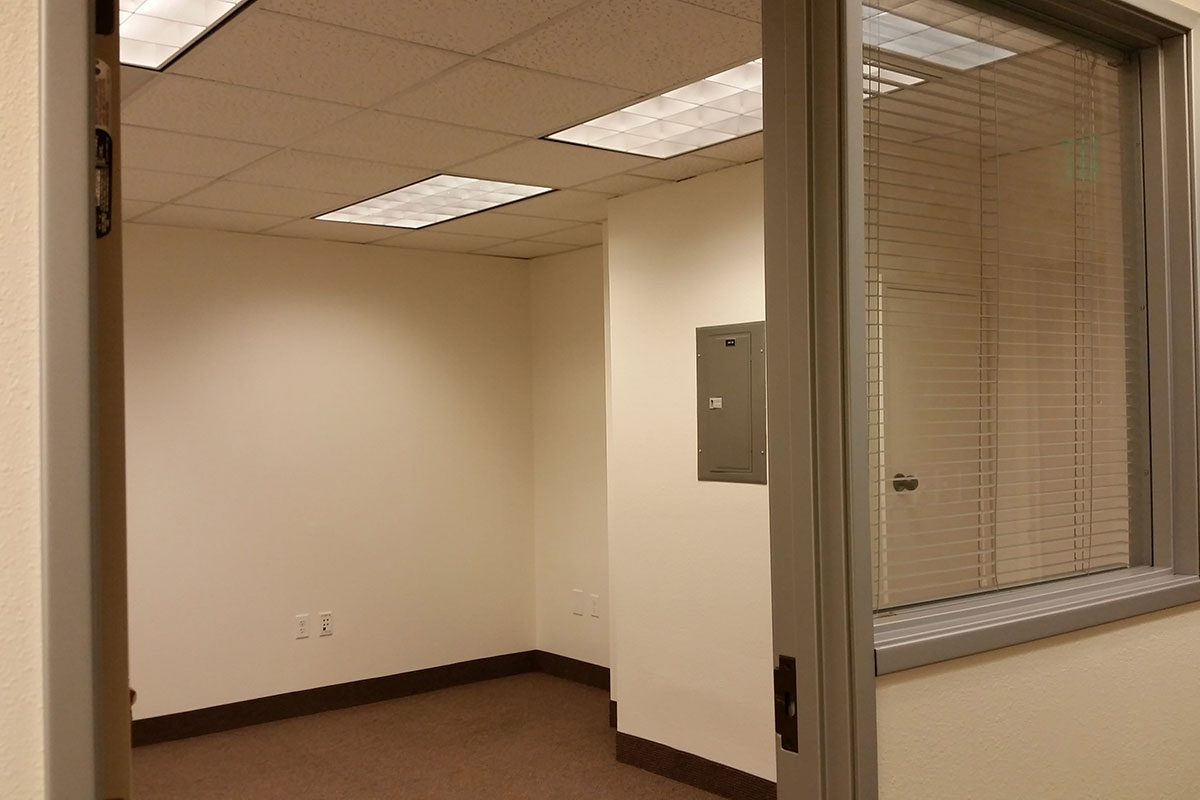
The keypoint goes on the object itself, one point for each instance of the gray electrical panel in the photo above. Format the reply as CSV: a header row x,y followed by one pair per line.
x,y
731,408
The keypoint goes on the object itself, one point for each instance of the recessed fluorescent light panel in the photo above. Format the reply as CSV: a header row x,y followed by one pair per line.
x,y
898,34
437,199
154,31
725,106
882,80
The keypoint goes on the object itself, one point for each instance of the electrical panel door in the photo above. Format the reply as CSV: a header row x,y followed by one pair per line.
x,y
731,409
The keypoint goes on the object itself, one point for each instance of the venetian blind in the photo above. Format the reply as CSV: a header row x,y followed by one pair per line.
x,y
1004,304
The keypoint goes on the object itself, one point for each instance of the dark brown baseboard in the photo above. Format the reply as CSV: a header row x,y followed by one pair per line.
x,y
692,769
572,669
612,713
356,693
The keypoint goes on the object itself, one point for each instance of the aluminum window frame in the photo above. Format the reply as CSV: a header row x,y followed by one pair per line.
x,y
947,629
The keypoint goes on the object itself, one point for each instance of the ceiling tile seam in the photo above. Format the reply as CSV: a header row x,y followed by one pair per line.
x,y
249,164
180,201
483,59
554,20
464,53
725,13
174,198
292,95
592,3
205,136
463,58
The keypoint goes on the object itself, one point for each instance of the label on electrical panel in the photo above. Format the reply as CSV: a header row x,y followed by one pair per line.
x,y
104,149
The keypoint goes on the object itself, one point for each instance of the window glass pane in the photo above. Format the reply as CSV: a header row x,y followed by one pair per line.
x,y
1004,295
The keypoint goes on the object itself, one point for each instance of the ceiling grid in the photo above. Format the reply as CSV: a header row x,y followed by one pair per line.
x,y
296,108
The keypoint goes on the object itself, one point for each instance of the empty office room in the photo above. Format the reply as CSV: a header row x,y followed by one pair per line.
x,y
600,398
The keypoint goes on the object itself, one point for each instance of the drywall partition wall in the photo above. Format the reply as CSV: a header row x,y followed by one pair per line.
x,y
691,583
569,477
319,427
1107,714
21,734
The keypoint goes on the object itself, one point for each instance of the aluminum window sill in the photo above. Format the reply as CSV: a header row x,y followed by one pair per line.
x,y
927,634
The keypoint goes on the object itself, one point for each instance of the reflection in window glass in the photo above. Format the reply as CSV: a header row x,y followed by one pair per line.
x,y
1005,280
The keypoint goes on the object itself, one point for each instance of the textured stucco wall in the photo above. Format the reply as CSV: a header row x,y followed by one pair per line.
x,y
20,513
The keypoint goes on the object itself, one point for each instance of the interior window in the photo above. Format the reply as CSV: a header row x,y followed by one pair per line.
x,y
1005,304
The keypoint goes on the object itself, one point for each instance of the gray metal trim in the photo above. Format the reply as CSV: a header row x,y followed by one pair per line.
x,y
66,249
943,631
1178,86
819,543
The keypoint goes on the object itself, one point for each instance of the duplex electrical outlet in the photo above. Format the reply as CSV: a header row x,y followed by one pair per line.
x,y
302,626
326,622
594,605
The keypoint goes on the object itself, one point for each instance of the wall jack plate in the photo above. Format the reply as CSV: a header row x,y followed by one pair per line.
x,y
326,623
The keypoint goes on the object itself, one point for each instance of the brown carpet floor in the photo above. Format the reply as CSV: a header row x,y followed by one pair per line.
x,y
528,736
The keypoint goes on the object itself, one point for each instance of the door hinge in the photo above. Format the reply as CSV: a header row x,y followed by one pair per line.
x,y
786,724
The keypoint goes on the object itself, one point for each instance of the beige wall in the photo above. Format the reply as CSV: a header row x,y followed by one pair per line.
x,y
317,426
690,561
570,498
21,733
1107,714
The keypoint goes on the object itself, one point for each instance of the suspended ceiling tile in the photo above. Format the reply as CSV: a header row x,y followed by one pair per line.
x,y
376,136
526,249
466,26
501,97
332,231
555,164
224,111
310,59
504,226
215,219
325,173
682,167
131,209
568,204
622,184
255,198
746,9
742,150
146,148
584,235
438,240
134,78
644,45
160,187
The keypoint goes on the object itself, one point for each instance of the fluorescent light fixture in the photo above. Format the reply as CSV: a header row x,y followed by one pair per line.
x,y
905,36
881,80
716,109
434,200
154,31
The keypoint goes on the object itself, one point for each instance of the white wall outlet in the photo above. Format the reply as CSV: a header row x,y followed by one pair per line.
x,y
326,620
577,602
594,606
302,626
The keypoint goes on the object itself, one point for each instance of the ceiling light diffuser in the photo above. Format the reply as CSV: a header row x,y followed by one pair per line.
x,y
905,36
716,109
154,31
881,80
434,200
